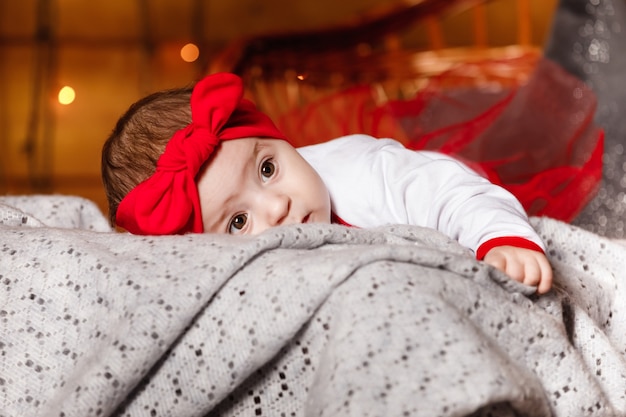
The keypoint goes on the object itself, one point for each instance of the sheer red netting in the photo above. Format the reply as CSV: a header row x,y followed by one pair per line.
x,y
534,135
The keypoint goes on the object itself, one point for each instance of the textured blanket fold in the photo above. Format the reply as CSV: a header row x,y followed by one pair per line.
x,y
307,320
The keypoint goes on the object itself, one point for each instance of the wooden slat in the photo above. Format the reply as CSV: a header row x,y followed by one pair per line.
x,y
435,33
524,23
480,25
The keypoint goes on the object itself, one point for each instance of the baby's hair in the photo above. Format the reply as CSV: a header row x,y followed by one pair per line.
x,y
130,153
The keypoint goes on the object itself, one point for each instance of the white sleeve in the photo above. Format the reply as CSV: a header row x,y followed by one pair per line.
x,y
373,182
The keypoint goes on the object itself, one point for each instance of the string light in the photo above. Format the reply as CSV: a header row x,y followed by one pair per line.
x,y
66,95
189,52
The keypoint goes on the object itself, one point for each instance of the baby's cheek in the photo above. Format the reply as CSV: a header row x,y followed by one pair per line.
x,y
328,218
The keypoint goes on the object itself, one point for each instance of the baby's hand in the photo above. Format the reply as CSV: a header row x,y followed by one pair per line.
x,y
523,265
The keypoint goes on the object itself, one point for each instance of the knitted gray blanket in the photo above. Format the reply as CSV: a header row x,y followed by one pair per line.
x,y
306,320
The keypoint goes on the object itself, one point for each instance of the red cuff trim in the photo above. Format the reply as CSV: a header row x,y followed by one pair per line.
x,y
518,242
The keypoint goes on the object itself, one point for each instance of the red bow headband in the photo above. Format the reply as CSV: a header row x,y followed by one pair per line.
x,y
168,202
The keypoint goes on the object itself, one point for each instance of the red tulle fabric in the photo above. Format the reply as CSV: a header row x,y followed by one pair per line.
x,y
535,138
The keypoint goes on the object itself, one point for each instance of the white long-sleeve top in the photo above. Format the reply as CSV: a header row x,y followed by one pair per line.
x,y
374,182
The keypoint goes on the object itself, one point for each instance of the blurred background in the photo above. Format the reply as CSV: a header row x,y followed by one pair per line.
x,y
70,68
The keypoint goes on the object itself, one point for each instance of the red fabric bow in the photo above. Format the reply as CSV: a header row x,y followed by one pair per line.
x,y
168,202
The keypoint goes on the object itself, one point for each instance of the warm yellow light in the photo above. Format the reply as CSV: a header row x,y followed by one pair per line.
x,y
66,95
189,52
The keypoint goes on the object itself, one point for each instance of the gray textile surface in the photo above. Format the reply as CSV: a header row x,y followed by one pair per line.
x,y
588,39
299,321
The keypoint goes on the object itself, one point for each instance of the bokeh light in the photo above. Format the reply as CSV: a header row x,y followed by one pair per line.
x,y
66,95
189,52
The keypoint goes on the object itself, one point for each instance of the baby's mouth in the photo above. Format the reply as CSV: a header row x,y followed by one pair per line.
x,y
306,218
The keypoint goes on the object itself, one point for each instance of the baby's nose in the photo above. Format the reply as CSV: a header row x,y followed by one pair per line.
x,y
278,206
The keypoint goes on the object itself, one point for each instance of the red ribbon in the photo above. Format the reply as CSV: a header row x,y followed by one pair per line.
x,y
168,202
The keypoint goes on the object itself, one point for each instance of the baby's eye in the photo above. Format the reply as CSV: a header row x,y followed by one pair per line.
x,y
237,223
267,169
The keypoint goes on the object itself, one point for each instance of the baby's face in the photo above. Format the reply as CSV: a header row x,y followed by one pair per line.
x,y
253,184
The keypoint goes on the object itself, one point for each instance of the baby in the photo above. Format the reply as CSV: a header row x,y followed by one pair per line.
x,y
206,160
